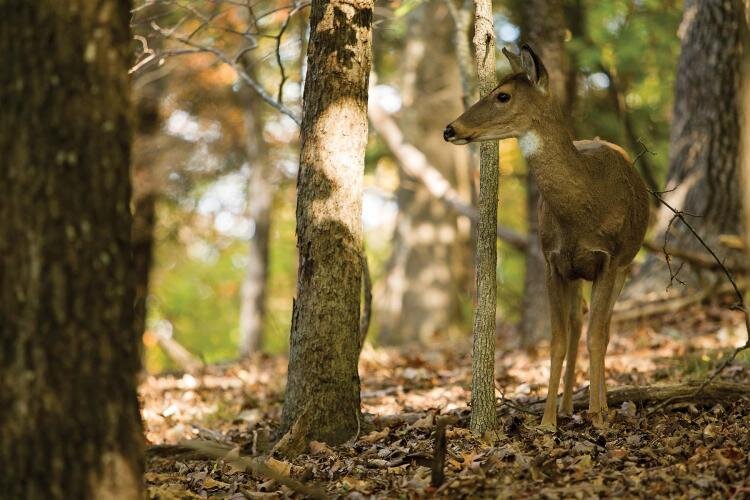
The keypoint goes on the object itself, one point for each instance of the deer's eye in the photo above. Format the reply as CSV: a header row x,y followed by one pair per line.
x,y
503,97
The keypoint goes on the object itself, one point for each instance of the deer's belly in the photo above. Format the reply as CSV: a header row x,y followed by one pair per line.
x,y
577,263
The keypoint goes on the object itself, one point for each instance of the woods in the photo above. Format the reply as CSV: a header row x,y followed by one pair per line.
x,y
328,249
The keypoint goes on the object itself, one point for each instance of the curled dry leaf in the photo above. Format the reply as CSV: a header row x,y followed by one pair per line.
x,y
376,436
320,448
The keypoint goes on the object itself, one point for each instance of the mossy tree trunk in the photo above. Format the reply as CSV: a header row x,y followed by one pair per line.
x,y
323,383
69,421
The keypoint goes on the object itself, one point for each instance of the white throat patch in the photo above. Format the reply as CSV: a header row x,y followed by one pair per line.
x,y
529,143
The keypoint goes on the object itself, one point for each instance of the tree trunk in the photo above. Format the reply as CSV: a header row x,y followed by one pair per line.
x,y
260,199
436,247
704,172
483,352
544,26
69,421
323,382
744,103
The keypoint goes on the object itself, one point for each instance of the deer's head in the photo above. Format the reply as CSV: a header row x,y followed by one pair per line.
x,y
511,109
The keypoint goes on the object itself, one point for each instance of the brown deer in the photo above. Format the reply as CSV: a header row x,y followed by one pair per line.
x,y
593,215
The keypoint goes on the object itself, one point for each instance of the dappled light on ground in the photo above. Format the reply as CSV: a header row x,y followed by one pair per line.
x,y
687,449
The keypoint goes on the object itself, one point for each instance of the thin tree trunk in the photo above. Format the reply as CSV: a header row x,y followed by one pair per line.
x,y
483,361
544,26
323,382
260,200
704,172
69,420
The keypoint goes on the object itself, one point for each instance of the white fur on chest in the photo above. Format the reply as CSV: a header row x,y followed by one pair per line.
x,y
530,142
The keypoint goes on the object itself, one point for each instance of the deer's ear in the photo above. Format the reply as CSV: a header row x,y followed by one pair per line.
x,y
514,60
534,68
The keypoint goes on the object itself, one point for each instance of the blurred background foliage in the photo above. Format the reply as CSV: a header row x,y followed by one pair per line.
x,y
623,50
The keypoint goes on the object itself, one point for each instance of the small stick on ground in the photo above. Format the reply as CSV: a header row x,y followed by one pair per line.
x,y
438,455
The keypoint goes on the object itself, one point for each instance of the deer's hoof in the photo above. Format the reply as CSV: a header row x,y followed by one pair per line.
x,y
598,419
547,427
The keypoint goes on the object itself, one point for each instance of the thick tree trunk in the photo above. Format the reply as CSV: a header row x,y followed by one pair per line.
x,y
704,173
323,384
435,247
69,421
483,350
543,24
260,199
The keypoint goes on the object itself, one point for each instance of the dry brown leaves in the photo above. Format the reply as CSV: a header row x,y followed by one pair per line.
x,y
687,450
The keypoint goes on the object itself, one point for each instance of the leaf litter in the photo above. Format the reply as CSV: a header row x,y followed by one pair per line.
x,y
691,449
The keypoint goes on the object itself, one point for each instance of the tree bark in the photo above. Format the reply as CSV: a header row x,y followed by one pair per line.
x,y
69,421
260,200
704,172
483,353
544,26
323,383
436,246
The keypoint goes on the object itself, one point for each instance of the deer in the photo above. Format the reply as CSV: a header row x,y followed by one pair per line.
x,y
593,215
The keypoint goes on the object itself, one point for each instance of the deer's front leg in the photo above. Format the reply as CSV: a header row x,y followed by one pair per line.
x,y
603,295
559,291
575,319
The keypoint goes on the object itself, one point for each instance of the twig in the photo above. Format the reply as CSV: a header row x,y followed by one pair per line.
x,y
437,476
740,305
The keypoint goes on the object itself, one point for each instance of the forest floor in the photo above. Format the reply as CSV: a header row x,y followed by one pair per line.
x,y
693,450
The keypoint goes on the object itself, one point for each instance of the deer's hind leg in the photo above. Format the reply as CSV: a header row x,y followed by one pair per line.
x,y
560,291
575,323
604,293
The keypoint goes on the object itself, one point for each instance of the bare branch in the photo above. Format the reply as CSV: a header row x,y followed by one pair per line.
x,y
244,76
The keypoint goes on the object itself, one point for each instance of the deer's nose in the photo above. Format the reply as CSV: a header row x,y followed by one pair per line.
x,y
449,133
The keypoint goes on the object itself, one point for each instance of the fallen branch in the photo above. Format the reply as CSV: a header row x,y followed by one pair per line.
x,y
186,360
697,259
231,455
740,305
668,305
715,392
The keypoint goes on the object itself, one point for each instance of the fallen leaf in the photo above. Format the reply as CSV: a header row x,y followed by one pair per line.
x,y
376,436
319,448
280,466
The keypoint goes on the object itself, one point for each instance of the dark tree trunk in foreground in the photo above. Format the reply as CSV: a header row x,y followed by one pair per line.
x,y
323,385
69,422
543,23
260,199
704,172
432,261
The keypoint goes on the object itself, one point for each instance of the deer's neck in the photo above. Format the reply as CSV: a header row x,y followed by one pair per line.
x,y
557,166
